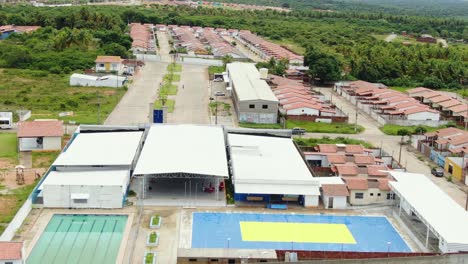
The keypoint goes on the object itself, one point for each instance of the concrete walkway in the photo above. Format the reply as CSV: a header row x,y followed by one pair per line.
x,y
390,144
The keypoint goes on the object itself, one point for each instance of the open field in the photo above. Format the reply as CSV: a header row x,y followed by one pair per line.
x,y
311,127
291,45
393,129
49,94
312,142
318,127
8,145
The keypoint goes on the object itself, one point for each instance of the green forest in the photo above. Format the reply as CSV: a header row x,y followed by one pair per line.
x,y
339,45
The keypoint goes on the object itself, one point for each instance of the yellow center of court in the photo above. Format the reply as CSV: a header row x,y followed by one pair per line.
x,y
296,232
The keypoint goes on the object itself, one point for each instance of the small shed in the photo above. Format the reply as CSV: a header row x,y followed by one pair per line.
x,y
11,252
333,192
40,135
6,120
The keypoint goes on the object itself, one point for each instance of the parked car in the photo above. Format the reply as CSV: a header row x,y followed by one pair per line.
x,y
298,131
128,74
219,79
437,171
219,93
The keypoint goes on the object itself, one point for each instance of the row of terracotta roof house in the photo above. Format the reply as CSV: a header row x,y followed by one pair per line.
x,y
266,49
298,99
142,37
364,171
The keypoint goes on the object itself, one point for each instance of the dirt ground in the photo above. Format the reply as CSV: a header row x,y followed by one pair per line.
x,y
6,163
9,178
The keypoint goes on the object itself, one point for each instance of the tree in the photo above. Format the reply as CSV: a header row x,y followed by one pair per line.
x,y
403,132
420,130
285,5
322,66
115,49
227,59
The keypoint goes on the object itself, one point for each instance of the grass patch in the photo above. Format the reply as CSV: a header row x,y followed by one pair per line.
x,y
393,129
153,236
312,142
169,103
49,94
400,89
261,126
171,77
317,127
44,159
174,67
169,89
14,201
8,145
291,45
221,107
149,258
216,69
156,219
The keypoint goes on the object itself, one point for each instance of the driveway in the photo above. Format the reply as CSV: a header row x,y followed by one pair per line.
x,y
134,107
191,102
390,144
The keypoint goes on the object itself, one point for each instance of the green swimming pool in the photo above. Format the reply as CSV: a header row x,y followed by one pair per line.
x,y
79,239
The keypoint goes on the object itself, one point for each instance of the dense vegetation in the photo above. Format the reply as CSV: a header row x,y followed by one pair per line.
x,y
340,45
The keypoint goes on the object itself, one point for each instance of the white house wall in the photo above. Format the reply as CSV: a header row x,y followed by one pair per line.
x,y
424,116
339,202
59,196
303,111
311,200
52,143
28,144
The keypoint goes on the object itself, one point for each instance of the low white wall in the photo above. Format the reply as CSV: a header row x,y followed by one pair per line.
x,y
311,200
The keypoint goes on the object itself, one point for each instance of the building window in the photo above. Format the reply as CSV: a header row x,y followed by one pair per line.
x,y
359,195
101,65
371,194
264,106
80,201
9,262
379,194
390,196
252,106
231,261
214,260
192,260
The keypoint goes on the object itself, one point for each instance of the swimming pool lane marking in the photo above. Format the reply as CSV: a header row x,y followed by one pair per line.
x,y
46,249
87,237
74,240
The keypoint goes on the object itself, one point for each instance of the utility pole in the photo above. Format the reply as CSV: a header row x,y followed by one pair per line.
x,y
99,109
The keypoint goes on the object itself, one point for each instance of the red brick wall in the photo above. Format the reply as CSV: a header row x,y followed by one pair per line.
x,y
305,255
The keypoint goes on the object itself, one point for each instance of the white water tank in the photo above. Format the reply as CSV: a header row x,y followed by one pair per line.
x,y
263,73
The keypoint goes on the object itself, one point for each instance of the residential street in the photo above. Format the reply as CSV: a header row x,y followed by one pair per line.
x,y
133,108
391,145
192,101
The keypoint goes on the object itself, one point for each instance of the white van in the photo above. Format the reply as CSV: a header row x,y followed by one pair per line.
x,y
6,120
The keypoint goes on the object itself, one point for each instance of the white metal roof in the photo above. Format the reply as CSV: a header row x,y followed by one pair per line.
x,y
248,84
105,148
84,76
329,180
98,177
433,205
269,165
194,149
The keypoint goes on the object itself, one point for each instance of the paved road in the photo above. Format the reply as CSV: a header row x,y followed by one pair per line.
x,y
244,49
192,101
133,108
390,37
391,145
